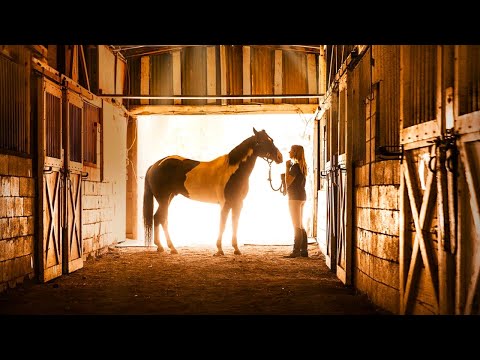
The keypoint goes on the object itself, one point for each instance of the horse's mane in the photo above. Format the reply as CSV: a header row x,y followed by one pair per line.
x,y
239,151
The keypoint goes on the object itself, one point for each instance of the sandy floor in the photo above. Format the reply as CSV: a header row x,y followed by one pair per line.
x,y
139,280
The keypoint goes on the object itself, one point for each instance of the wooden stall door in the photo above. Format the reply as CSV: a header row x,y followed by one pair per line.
x,y
421,217
465,112
468,261
331,165
331,246
344,188
73,141
322,188
439,189
468,257
52,181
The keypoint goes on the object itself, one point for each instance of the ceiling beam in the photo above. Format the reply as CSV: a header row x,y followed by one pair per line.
x,y
223,109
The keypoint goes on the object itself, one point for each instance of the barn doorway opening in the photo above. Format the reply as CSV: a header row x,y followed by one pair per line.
x,y
265,219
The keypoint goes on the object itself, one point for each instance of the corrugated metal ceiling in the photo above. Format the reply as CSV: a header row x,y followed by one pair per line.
x,y
141,50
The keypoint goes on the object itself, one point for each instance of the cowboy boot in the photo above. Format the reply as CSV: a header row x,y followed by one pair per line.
x,y
296,244
304,244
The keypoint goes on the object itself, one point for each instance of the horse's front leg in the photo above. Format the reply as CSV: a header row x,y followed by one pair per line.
x,y
167,236
235,217
223,220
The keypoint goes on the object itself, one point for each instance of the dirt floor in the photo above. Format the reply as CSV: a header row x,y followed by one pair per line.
x,y
140,281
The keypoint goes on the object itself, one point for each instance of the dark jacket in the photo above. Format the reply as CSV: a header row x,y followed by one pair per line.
x,y
296,190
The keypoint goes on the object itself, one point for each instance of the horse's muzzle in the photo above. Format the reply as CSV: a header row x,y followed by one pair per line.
x,y
279,158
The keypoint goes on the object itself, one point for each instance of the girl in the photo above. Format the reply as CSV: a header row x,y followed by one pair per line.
x,y
295,179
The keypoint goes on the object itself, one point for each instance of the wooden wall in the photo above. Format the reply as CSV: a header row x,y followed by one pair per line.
x,y
226,70
409,101
104,187
111,72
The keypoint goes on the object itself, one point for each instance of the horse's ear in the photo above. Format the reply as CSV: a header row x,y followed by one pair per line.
x,y
255,131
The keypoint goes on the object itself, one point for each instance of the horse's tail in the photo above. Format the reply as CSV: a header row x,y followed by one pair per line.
x,y
147,212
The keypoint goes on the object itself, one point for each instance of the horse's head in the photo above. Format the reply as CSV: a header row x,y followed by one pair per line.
x,y
265,147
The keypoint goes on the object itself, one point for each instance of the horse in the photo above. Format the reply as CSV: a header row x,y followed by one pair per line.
x,y
223,180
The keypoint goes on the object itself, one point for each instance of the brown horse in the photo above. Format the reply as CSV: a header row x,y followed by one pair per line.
x,y
222,181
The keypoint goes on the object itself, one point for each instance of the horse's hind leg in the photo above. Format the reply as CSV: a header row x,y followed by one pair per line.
x,y
163,219
156,229
235,217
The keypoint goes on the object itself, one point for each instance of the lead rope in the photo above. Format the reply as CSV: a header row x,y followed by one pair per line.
x,y
282,187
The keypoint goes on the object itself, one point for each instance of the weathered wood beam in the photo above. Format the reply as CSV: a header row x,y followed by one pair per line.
x,y
222,109
84,65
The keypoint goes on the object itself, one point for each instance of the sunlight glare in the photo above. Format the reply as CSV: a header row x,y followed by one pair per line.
x,y
265,219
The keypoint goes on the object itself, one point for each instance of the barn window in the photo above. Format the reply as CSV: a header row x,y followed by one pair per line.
x,y
75,116
420,84
386,130
371,121
322,153
91,138
468,58
53,125
14,123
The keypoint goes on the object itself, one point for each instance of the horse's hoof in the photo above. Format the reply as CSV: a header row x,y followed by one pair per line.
x,y
237,252
173,251
219,253
160,250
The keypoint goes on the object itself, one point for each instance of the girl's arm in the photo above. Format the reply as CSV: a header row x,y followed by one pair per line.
x,y
288,175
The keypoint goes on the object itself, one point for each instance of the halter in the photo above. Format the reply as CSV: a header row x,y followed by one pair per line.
x,y
281,188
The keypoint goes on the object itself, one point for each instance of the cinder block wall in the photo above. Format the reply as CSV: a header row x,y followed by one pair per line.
x,y
104,197
376,233
103,214
17,200
97,217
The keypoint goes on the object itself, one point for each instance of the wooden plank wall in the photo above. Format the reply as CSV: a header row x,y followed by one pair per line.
x,y
234,72
227,70
194,74
111,74
263,71
161,78
295,75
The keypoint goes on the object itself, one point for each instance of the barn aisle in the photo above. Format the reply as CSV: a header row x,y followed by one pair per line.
x,y
134,280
